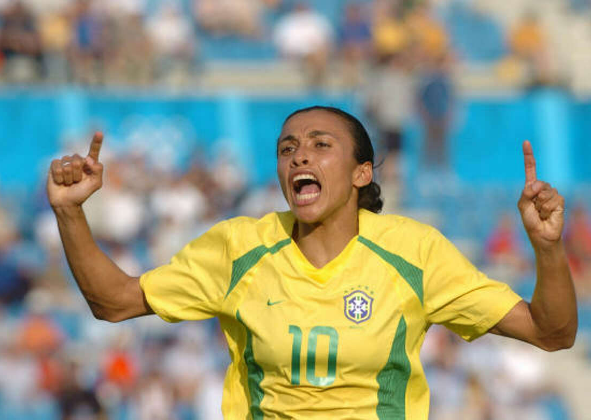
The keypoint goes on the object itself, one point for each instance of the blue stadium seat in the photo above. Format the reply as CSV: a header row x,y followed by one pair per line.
x,y
476,37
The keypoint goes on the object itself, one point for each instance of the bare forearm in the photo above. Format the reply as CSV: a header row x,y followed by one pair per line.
x,y
107,289
554,306
550,320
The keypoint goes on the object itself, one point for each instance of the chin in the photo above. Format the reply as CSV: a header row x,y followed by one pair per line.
x,y
307,214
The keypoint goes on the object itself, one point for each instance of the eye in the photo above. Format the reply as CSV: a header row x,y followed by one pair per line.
x,y
322,144
285,150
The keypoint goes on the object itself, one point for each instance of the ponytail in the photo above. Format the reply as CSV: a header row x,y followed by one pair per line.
x,y
370,198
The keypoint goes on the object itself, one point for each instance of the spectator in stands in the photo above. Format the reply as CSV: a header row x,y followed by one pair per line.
x,y
209,16
174,43
20,43
15,278
230,178
155,396
120,367
39,335
120,215
247,17
88,44
260,201
445,374
355,40
177,207
187,363
18,378
131,58
179,200
477,401
435,99
230,17
52,277
577,239
391,36
209,396
56,37
520,382
429,36
390,102
504,252
528,44
75,397
306,36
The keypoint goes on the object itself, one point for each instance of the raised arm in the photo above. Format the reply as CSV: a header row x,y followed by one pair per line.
x,y
550,320
111,294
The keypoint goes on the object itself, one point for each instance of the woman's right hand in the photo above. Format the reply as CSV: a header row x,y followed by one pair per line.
x,y
72,179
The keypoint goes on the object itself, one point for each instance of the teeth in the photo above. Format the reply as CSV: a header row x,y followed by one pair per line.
x,y
304,176
307,196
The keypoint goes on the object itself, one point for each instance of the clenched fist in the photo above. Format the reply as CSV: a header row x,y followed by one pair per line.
x,y
72,179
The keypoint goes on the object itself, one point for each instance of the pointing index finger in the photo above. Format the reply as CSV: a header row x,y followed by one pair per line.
x,y
95,146
529,162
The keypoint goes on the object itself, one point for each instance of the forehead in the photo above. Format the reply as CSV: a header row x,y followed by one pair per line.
x,y
316,120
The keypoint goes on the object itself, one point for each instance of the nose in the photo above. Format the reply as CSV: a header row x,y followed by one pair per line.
x,y
300,157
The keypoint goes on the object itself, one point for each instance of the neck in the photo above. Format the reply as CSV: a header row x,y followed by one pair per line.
x,y
322,242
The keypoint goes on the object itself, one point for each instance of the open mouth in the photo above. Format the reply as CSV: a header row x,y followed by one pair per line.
x,y
307,187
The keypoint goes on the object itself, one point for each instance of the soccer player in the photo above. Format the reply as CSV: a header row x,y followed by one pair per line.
x,y
325,307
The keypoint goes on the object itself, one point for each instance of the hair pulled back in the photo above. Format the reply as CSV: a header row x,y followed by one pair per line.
x,y
369,196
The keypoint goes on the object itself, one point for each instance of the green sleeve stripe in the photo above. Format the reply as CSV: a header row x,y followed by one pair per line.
x,y
255,375
241,265
393,378
412,274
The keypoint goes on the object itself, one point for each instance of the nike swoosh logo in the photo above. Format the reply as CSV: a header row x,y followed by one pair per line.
x,y
269,303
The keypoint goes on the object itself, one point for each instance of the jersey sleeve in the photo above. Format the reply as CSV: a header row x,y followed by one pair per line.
x,y
457,294
192,286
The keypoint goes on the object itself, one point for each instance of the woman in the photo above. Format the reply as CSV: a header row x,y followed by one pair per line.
x,y
325,307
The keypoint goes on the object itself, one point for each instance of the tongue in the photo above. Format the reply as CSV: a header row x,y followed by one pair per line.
x,y
310,189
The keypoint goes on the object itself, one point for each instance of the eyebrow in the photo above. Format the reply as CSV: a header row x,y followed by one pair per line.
x,y
314,133
289,137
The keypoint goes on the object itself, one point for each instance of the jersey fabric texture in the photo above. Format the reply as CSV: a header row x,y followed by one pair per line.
x,y
341,341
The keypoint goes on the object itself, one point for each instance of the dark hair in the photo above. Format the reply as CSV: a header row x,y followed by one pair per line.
x,y
369,196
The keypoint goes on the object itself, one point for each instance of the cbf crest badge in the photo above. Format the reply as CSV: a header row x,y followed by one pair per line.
x,y
358,305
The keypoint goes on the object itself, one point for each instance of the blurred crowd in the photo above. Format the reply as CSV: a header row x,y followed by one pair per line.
x,y
418,51
145,42
514,383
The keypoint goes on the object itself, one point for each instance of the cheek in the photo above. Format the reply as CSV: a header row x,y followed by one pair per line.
x,y
282,176
339,177
280,169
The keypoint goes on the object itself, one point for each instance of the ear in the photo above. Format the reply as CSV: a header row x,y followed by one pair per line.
x,y
363,174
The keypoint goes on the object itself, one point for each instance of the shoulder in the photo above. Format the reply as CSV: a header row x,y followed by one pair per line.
x,y
399,235
275,223
245,233
390,226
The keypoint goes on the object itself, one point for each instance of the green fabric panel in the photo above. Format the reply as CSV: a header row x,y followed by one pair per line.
x,y
255,375
275,248
393,378
241,265
412,274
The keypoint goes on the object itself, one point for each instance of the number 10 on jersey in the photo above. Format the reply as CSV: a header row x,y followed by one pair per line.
x,y
296,352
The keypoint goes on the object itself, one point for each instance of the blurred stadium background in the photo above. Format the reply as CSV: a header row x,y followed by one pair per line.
x,y
191,95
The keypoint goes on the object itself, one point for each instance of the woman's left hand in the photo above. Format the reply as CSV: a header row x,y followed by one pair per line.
x,y
540,205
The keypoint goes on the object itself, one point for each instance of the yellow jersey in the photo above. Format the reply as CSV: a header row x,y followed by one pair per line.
x,y
341,341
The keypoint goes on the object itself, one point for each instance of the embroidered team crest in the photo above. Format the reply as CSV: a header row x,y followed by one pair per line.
x,y
358,306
